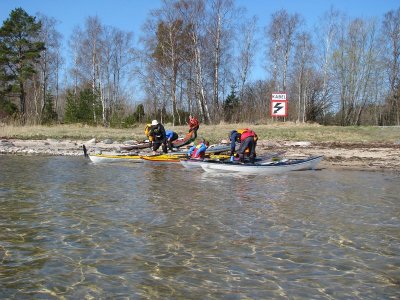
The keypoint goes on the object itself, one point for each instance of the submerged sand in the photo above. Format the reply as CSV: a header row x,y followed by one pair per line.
x,y
363,156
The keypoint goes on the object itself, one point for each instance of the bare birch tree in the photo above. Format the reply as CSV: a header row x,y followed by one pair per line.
x,y
86,45
303,63
354,63
193,13
122,62
49,65
220,31
274,39
391,58
281,34
116,55
102,56
289,29
171,53
246,45
74,46
93,42
326,33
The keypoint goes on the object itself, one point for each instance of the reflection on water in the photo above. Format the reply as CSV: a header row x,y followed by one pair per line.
x,y
72,229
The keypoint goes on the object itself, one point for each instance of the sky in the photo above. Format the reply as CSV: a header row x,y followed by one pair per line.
x,y
130,15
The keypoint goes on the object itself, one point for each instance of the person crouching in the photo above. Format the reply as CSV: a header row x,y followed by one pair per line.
x,y
171,136
159,137
248,140
199,151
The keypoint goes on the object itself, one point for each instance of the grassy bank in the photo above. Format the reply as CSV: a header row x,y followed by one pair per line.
x,y
213,133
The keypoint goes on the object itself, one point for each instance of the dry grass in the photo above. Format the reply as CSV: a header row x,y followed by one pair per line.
x,y
213,133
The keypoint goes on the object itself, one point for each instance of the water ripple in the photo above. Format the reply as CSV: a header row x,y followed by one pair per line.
x,y
71,229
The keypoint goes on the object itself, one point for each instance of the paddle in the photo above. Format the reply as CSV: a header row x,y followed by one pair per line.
x,y
85,151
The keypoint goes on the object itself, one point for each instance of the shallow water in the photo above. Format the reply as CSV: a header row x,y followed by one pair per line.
x,y
72,229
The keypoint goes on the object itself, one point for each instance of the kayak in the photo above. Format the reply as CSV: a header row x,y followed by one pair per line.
x,y
173,157
263,168
100,158
179,157
193,163
106,158
187,139
164,157
218,148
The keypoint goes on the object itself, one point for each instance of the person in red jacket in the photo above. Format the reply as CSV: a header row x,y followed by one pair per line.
x,y
193,125
248,140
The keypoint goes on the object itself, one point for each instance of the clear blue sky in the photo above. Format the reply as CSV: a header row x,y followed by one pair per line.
x,y
129,15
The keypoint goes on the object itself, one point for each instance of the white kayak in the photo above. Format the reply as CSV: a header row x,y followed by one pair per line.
x,y
263,168
100,158
196,163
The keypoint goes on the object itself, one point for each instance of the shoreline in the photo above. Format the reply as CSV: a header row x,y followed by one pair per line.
x,y
354,156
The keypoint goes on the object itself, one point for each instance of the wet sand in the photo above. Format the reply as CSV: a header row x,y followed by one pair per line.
x,y
361,156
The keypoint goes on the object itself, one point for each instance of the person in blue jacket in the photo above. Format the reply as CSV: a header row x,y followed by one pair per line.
x,y
199,151
234,137
171,136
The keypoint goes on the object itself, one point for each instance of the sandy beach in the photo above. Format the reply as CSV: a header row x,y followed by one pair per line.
x,y
377,157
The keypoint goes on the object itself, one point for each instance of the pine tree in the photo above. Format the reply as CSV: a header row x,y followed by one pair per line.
x,y
49,114
82,107
19,51
231,105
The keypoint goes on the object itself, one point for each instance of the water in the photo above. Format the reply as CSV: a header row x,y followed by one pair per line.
x,y
70,229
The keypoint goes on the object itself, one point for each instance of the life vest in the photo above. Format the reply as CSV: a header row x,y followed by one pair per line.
x,y
195,153
147,132
245,133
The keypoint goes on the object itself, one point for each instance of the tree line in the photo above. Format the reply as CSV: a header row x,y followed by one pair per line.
x,y
196,57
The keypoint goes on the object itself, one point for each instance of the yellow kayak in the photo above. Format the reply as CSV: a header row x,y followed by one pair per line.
x,y
172,157
164,157
178,157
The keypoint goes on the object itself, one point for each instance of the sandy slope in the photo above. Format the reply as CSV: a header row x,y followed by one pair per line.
x,y
337,155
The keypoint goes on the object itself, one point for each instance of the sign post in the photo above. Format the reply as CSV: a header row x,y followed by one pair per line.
x,y
279,105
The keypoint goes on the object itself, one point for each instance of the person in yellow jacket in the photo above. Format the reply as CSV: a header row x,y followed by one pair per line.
x,y
147,132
